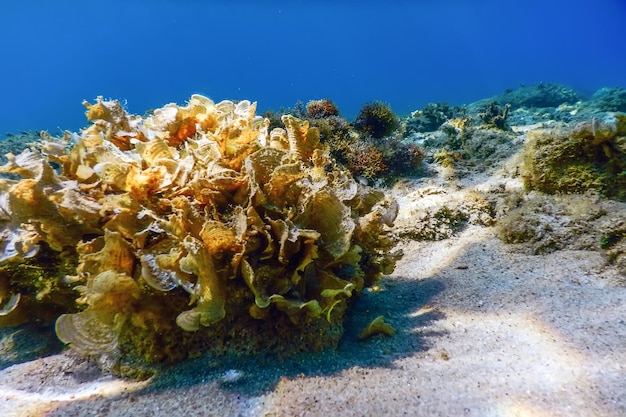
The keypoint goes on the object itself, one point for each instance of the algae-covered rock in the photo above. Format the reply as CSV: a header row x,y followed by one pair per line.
x,y
463,145
495,116
431,117
591,155
538,96
546,223
192,230
433,213
543,223
608,100
613,240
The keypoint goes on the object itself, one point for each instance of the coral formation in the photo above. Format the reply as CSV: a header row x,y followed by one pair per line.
x,y
591,155
193,229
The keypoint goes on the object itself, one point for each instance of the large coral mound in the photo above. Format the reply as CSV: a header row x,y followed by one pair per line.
x,y
193,229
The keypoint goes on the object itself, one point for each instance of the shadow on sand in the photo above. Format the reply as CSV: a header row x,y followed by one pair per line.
x,y
19,344
397,301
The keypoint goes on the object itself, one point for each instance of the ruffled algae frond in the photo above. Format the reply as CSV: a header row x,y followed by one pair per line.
x,y
375,327
194,229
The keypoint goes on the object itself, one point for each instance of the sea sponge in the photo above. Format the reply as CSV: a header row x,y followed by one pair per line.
x,y
194,229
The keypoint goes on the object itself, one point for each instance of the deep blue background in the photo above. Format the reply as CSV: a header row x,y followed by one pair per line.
x,y
54,54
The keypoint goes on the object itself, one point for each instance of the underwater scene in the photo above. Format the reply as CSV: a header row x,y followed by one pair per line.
x,y
313,208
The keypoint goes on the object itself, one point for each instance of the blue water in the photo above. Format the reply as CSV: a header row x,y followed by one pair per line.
x,y
54,54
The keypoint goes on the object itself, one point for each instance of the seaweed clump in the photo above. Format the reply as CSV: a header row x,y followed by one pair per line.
x,y
194,229
431,117
370,157
592,155
319,109
372,160
376,120
495,116
376,150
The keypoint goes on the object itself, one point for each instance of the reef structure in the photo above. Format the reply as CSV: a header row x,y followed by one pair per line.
x,y
192,229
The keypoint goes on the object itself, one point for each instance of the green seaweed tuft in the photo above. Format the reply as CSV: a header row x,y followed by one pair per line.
x,y
376,119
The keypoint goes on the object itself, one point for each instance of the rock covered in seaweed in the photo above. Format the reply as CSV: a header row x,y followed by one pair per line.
x,y
195,229
591,155
538,95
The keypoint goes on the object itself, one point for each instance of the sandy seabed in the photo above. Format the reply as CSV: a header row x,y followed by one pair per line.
x,y
482,329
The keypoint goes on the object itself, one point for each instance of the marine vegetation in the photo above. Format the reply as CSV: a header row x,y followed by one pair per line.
x,y
431,117
540,95
376,120
318,109
377,326
367,157
376,160
592,155
194,229
495,116
607,99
